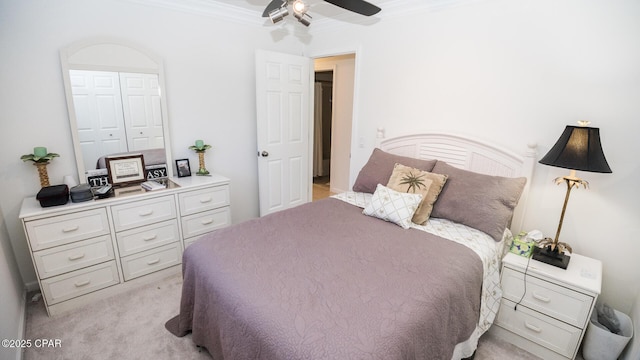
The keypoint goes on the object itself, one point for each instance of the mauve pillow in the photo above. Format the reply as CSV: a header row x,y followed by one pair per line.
x,y
481,201
380,166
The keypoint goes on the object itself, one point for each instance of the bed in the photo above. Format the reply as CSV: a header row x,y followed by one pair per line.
x,y
355,276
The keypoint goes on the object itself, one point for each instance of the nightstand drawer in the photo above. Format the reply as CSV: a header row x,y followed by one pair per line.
x,y
62,259
65,229
553,334
67,286
147,237
152,260
205,222
553,300
201,200
143,212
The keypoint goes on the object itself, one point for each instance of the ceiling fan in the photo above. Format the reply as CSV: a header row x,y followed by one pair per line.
x,y
277,9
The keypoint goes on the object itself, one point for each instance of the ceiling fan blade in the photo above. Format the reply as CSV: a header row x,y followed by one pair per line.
x,y
358,6
274,4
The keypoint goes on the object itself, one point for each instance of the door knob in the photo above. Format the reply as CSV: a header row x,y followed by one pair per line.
x,y
264,153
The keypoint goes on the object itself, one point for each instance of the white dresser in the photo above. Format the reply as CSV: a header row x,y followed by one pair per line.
x,y
86,251
553,305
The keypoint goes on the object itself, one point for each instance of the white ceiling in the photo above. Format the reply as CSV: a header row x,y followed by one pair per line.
x,y
322,13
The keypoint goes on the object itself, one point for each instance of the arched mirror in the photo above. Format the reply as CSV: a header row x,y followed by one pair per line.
x,y
115,98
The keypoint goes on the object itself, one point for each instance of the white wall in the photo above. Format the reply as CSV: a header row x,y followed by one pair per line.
x,y
502,70
514,72
12,296
209,67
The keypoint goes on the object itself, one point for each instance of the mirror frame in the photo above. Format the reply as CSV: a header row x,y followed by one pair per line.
x,y
106,54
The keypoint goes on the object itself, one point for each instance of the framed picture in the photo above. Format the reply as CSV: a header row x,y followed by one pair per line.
x,y
125,170
183,168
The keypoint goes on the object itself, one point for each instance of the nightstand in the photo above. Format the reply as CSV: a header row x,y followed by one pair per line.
x,y
553,305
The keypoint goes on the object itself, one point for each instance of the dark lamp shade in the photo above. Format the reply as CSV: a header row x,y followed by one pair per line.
x,y
578,148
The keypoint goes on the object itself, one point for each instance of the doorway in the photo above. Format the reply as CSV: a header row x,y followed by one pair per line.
x,y
323,98
333,112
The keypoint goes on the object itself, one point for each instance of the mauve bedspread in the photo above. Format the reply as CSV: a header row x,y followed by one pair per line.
x,y
323,281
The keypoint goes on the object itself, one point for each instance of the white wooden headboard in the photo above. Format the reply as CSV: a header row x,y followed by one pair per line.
x,y
470,154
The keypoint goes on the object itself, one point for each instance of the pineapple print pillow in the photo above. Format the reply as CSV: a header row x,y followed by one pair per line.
x,y
415,181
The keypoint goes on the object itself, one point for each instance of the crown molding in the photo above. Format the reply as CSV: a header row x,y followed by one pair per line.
x,y
390,9
208,8
240,15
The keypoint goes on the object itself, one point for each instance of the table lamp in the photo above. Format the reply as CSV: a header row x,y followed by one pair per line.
x,y
578,148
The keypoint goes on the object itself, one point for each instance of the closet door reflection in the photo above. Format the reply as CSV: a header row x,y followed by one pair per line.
x,y
116,113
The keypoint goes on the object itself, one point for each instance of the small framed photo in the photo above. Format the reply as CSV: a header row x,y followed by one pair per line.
x,y
125,170
183,168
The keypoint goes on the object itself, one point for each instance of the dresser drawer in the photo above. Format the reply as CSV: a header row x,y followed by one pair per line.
x,y
553,334
147,237
151,260
143,212
556,301
189,241
70,285
65,258
65,229
202,223
205,199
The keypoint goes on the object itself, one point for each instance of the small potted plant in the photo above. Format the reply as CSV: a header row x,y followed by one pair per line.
x,y
40,159
200,147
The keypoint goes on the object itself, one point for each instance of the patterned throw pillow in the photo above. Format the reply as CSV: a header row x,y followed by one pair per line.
x,y
393,206
411,180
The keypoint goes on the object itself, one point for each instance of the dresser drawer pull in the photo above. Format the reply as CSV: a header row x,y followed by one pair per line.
x,y
146,213
70,229
207,222
82,283
541,297
532,327
152,262
76,257
149,238
205,200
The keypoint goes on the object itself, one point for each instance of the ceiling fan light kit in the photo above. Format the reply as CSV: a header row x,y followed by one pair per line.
x,y
276,10
278,14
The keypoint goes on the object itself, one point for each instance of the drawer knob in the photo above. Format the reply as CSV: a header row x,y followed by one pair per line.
x,y
207,222
82,283
146,213
206,200
541,297
70,229
149,238
154,261
532,327
76,257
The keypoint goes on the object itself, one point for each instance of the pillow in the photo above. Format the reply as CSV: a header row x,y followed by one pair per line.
x,y
380,166
425,183
393,206
481,201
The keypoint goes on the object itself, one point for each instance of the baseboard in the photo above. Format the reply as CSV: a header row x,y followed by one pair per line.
x,y
336,190
32,286
22,326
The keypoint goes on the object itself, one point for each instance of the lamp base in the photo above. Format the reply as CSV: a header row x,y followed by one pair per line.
x,y
551,257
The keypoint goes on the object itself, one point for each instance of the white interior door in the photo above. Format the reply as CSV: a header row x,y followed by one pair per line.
x,y
283,92
142,110
98,107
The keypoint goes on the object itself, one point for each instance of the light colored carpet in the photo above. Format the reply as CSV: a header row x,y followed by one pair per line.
x,y
131,326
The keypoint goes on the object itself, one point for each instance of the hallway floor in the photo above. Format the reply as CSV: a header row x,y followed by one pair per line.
x,y
321,187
